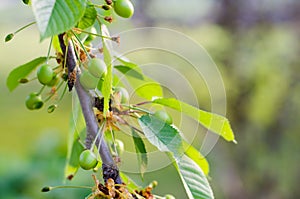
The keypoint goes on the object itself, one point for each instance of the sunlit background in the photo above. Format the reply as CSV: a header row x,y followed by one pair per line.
x,y
255,45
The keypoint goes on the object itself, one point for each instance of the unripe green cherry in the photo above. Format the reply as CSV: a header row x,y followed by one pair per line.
x,y
34,101
97,67
45,74
164,116
88,81
87,160
123,94
54,81
124,8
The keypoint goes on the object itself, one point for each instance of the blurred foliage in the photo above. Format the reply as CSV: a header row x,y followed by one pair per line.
x,y
257,52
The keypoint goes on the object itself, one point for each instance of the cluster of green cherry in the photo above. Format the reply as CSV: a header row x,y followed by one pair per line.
x,y
47,77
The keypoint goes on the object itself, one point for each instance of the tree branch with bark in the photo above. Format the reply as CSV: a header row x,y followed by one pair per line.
x,y
109,168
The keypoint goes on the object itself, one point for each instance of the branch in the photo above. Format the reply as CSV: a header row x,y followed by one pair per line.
x,y
109,168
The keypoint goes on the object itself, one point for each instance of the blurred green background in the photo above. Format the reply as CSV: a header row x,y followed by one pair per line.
x,y
255,45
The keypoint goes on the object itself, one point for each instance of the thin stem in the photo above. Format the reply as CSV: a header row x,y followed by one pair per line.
x,y
82,46
41,90
32,79
49,50
136,129
100,131
137,108
76,51
143,103
70,187
126,123
63,93
22,28
65,56
113,138
98,20
52,94
90,33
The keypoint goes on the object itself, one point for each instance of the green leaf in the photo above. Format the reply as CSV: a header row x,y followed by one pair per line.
x,y
75,147
213,122
56,44
130,65
162,135
72,162
168,138
57,16
22,72
144,86
129,182
88,18
116,81
196,156
141,151
106,85
146,89
193,179
129,71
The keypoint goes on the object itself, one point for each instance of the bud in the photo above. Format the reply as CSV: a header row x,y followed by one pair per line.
x,y
23,80
51,108
46,189
26,2
108,2
106,7
108,19
9,37
116,39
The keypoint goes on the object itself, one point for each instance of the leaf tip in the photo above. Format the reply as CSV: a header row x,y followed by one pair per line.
x,y
234,141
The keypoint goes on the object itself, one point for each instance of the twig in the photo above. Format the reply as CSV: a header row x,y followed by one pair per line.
x,y
90,119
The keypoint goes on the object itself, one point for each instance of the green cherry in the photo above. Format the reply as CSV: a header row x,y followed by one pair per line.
x,y
54,81
34,101
164,116
124,8
87,160
45,74
97,67
88,81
